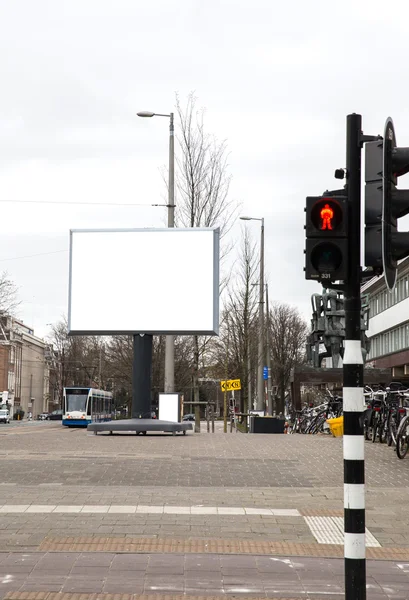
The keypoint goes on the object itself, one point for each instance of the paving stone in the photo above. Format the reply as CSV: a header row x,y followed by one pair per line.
x,y
191,482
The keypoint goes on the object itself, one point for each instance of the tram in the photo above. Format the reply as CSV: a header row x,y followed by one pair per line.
x,y
84,405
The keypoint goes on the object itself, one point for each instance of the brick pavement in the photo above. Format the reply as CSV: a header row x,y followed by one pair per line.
x,y
198,574
50,465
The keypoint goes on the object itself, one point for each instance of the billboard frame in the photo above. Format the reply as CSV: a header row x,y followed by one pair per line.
x,y
216,281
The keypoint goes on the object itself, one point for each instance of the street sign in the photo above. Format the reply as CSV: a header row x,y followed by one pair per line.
x,y
265,373
230,385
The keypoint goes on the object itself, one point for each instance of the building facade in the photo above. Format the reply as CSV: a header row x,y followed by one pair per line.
x,y
26,368
389,323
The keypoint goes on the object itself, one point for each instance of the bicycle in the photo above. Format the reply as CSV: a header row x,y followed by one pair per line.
x,y
402,437
396,414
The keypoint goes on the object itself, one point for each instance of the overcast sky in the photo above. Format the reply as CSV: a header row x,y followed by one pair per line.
x,y
277,80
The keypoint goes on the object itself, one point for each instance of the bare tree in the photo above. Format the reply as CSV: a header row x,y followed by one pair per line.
x,y
202,184
77,355
241,310
203,180
8,295
288,333
119,358
118,365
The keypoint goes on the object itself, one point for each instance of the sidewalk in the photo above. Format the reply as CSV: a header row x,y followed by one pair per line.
x,y
158,517
207,575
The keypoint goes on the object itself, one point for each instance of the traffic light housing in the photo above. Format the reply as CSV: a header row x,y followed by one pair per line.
x,y
395,204
326,253
373,205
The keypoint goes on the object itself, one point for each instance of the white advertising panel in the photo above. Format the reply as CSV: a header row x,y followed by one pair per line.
x,y
153,281
169,407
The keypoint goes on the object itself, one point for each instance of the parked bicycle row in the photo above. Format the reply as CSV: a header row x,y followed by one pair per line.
x,y
313,419
386,419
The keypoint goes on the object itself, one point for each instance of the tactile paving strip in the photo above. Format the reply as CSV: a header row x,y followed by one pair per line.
x,y
330,530
211,546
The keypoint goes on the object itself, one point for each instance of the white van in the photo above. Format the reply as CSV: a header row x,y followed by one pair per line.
x,y
4,415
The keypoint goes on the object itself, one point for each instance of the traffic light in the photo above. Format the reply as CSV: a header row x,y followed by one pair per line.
x,y
326,232
395,245
373,205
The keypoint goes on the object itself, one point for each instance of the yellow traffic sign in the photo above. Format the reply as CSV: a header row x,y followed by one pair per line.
x,y
230,385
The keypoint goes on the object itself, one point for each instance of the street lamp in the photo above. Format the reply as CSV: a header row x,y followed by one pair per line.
x,y
271,410
169,344
260,379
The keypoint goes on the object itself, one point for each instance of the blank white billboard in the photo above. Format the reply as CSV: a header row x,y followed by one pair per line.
x,y
153,281
169,407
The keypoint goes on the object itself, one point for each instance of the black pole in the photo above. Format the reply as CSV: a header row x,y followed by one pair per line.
x,y
353,399
141,371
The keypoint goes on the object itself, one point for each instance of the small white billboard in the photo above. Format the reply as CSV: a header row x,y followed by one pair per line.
x,y
169,407
153,281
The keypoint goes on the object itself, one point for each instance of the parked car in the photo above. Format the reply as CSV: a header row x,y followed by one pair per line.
x,y
149,415
4,416
56,415
189,417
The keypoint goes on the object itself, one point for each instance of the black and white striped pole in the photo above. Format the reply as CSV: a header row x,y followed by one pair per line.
x,y
353,374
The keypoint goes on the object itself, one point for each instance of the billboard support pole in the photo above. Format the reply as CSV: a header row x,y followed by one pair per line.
x,y
141,375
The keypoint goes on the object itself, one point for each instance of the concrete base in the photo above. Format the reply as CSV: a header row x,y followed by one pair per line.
x,y
140,426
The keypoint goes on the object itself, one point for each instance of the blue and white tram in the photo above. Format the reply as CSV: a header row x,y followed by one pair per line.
x,y
86,405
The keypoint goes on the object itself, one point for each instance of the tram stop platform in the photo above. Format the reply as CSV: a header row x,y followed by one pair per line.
x,y
140,426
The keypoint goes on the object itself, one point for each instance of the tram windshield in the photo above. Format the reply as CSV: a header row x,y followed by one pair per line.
x,y
76,400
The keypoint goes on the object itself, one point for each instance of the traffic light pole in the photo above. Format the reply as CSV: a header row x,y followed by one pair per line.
x,y
353,404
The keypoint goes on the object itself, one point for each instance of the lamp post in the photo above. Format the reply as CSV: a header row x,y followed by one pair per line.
x,y
271,410
268,395
169,340
260,380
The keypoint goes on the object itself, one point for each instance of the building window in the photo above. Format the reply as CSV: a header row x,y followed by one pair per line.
x,y
10,381
401,290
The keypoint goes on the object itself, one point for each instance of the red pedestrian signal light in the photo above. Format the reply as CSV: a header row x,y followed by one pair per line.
x,y
326,214
326,247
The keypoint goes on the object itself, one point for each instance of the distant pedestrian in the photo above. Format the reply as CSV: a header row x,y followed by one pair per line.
x,y
29,416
